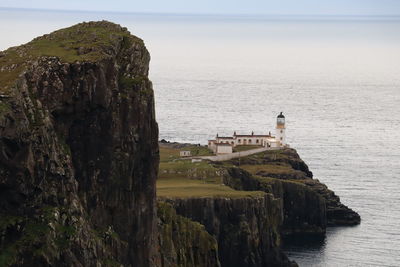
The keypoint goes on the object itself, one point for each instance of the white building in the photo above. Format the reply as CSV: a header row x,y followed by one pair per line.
x,y
221,144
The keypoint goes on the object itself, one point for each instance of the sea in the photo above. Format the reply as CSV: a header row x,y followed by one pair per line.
x,y
335,78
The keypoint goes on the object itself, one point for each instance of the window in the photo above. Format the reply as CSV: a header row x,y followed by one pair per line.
x,y
257,141
232,143
281,138
239,140
249,141
281,131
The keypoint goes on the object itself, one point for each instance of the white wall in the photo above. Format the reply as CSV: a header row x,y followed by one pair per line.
x,y
281,135
224,149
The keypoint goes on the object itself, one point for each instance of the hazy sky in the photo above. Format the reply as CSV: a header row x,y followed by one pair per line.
x,y
300,7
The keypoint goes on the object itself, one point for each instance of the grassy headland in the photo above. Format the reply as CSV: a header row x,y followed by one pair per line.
x,y
183,178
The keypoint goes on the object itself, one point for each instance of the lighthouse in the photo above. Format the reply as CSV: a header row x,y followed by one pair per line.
x,y
280,129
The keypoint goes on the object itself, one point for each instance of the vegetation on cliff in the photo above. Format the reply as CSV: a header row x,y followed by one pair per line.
x,y
215,193
88,42
184,178
78,150
245,223
289,176
184,242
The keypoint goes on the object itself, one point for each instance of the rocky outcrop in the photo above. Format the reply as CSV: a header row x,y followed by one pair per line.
x,y
304,211
309,206
184,242
336,212
286,157
247,229
78,150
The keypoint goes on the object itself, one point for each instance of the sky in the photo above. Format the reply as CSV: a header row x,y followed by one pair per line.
x,y
272,7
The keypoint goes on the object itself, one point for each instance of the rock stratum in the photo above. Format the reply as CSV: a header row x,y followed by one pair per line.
x,y
79,160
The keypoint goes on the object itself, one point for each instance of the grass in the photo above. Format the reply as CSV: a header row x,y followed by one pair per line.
x,y
82,42
272,155
268,168
199,150
168,153
182,178
245,148
281,171
183,187
187,166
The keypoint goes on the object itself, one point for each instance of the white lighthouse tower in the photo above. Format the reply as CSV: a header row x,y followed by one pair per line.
x,y
280,129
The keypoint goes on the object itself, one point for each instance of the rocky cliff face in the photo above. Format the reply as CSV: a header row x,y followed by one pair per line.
x,y
309,206
304,211
78,150
247,229
184,242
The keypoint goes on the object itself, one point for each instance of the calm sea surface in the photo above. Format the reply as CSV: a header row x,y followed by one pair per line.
x,y
336,79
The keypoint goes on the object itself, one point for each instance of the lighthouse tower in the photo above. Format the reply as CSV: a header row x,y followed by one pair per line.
x,y
280,129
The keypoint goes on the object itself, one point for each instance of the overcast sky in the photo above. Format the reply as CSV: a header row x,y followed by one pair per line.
x,y
284,7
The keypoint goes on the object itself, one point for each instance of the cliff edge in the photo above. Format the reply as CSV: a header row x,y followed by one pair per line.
x,y
309,205
78,150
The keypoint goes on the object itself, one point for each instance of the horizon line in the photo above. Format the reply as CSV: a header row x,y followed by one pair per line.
x,y
196,14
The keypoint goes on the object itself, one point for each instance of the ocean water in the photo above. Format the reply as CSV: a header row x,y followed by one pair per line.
x,y
337,80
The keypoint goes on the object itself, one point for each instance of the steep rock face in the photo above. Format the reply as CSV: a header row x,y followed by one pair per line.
x,y
315,194
184,242
304,210
78,150
336,212
247,229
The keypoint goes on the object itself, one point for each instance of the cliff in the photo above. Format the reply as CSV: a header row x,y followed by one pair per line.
x,y
304,211
246,228
184,242
245,224
309,206
78,150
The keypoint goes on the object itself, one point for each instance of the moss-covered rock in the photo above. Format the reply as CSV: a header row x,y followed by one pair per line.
x,y
184,242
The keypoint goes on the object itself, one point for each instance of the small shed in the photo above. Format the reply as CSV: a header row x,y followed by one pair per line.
x,y
185,153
